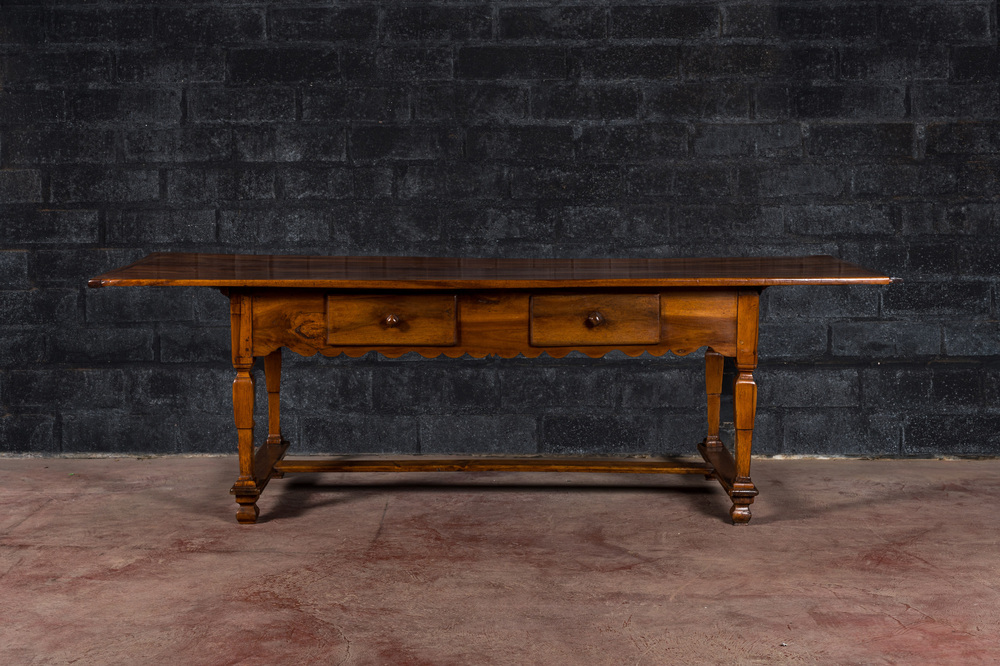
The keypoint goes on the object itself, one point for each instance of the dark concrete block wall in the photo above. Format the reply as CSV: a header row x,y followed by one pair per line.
x,y
866,130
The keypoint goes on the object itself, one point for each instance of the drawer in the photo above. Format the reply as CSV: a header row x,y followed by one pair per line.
x,y
562,320
391,320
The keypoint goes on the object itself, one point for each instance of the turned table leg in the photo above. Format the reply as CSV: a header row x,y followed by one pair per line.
x,y
711,447
246,488
713,391
272,375
744,404
744,409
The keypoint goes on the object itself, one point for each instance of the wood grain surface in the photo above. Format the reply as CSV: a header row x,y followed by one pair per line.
x,y
391,319
559,320
435,306
236,270
492,322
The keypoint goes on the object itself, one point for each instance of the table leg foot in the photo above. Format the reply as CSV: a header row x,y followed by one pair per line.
x,y
740,513
248,511
247,495
742,494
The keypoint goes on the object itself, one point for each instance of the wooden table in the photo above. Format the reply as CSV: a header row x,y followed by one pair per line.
x,y
453,306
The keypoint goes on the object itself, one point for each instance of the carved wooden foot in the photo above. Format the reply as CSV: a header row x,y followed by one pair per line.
x,y
742,495
248,511
740,513
246,496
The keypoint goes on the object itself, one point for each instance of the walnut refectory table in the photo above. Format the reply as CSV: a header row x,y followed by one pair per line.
x,y
456,306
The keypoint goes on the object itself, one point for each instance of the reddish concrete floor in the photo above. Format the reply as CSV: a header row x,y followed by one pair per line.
x,y
113,561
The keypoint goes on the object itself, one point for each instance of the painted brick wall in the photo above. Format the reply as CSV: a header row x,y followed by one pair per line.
x,y
866,130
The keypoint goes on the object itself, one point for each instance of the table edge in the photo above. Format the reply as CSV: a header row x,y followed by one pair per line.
x,y
109,279
99,282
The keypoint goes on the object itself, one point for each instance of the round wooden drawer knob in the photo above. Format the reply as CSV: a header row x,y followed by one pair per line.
x,y
595,319
391,321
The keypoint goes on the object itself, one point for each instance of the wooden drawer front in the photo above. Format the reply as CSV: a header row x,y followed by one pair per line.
x,y
698,318
391,319
561,320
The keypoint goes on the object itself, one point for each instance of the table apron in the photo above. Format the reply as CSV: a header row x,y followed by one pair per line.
x,y
502,322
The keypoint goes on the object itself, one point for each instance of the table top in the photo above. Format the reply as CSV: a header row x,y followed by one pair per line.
x,y
258,270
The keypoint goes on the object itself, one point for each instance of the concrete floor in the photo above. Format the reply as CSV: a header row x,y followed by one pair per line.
x,y
117,561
